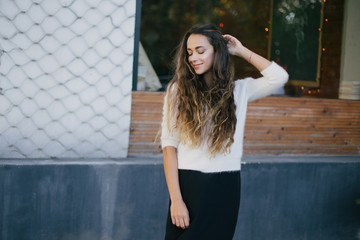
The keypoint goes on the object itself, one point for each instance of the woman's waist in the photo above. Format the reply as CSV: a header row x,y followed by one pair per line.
x,y
204,164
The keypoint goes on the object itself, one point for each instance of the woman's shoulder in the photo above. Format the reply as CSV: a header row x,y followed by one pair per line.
x,y
171,89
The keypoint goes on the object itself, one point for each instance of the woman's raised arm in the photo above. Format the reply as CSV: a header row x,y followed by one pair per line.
x,y
236,48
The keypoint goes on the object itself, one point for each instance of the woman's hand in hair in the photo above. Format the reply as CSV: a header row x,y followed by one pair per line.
x,y
234,46
179,214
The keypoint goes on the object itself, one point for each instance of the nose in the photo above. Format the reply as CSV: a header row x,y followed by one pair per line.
x,y
193,58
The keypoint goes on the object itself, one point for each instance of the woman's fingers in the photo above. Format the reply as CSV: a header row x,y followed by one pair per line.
x,y
181,222
187,221
231,43
180,214
227,36
230,39
234,46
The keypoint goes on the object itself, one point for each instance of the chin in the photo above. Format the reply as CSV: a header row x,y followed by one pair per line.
x,y
200,72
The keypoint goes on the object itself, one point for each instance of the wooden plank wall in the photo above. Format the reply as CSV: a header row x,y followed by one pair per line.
x,y
274,126
146,115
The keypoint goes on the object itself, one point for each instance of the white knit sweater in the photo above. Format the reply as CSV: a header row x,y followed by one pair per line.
x,y
245,90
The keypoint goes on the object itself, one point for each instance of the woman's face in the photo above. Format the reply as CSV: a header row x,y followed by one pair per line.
x,y
200,53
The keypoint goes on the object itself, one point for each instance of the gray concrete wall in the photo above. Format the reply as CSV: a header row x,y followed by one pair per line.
x,y
282,198
300,198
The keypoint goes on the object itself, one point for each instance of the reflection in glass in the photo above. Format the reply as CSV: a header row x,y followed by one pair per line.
x,y
295,39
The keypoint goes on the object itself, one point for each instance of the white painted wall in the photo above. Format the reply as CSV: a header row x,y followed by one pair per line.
x,y
66,78
350,58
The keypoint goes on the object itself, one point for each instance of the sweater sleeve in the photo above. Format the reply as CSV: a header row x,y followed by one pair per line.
x,y
169,133
274,77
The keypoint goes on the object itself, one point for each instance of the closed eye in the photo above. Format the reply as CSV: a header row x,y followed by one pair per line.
x,y
199,52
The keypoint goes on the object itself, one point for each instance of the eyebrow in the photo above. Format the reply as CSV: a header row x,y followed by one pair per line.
x,y
196,48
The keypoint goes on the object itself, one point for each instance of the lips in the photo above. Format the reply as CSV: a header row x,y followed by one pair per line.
x,y
197,65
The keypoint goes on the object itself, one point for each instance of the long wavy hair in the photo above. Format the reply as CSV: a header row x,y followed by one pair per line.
x,y
203,113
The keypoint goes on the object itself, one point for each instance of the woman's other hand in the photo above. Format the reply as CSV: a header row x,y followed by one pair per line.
x,y
179,214
234,46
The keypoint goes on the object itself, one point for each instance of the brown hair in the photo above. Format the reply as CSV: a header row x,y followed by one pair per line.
x,y
204,113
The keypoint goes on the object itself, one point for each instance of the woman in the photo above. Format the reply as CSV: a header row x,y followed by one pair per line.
x,y
202,132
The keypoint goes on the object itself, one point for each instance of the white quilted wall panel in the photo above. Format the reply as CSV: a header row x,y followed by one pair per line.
x,y
65,78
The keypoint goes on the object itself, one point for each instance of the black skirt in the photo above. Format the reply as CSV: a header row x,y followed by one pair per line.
x,y
213,202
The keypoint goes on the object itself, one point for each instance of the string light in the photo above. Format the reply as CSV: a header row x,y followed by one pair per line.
x,y
306,91
313,92
221,25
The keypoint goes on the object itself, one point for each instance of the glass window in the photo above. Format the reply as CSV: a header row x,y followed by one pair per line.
x,y
163,24
298,35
